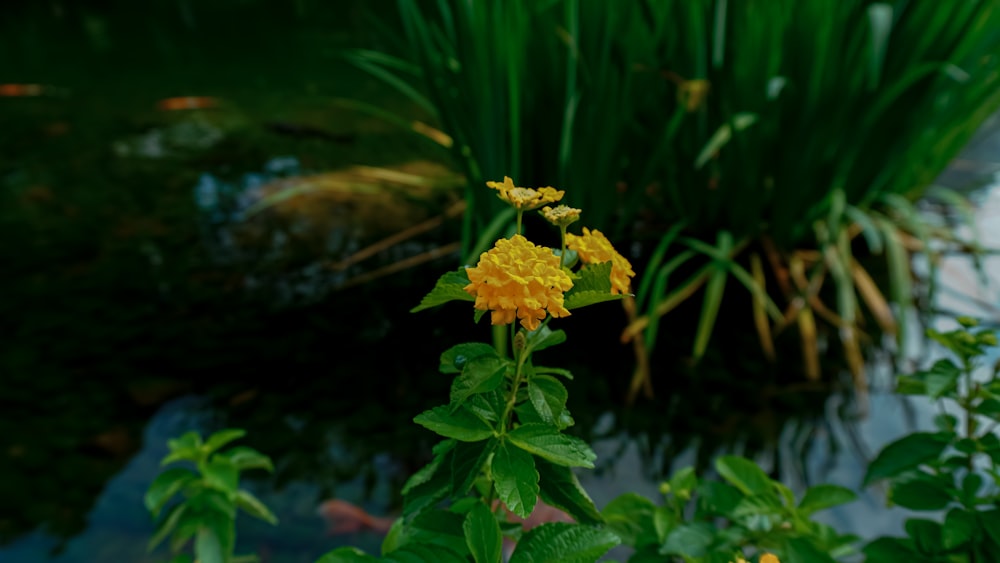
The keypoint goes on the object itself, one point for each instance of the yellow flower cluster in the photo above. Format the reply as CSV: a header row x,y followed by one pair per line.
x,y
561,215
594,248
516,279
766,558
525,199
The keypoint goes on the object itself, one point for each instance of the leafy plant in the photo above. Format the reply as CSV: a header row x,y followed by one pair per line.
x,y
732,137
956,469
705,520
211,494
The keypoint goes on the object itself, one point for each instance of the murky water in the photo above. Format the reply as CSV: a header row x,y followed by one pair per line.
x,y
146,308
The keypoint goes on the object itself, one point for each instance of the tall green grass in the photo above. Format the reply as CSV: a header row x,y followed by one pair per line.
x,y
726,134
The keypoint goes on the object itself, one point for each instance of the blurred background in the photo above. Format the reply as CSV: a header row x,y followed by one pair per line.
x,y
219,214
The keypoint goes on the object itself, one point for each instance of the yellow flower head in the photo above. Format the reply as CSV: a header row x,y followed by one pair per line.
x,y
525,199
561,215
594,248
769,558
516,279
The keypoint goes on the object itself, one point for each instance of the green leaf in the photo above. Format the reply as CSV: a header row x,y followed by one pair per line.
x,y
460,425
432,486
515,478
448,288
631,517
890,549
718,498
561,488
254,507
757,505
346,555
591,285
822,497
482,534
683,482
424,554
187,527
167,525
424,474
920,494
959,528
942,378
990,521
165,486
548,396
690,540
801,550
559,542
544,337
468,461
222,475
744,474
554,371
244,458
480,375
971,484
926,534
208,547
548,443
454,359
221,438
436,527
903,454
182,558
185,448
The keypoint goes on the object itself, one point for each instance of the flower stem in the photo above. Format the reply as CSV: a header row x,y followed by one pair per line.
x,y
562,250
519,213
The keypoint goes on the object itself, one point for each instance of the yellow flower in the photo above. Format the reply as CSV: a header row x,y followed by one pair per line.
x,y
516,279
769,558
594,248
525,199
561,216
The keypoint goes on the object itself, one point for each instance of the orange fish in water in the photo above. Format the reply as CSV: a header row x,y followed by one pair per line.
x,y
21,90
187,102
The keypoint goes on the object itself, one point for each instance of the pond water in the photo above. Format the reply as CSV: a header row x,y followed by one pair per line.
x,y
148,297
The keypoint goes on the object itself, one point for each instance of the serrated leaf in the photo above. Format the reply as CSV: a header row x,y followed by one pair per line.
x,y
554,371
454,359
583,298
821,497
592,277
920,494
941,378
560,488
221,438
430,492
515,478
424,554
165,486
222,475
244,458
548,396
959,528
559,542
468,461
448,288
482,534
547,442
544,337
630,516
460,425
905,453
425,473
436,528
254,507
167,525
890,549
346,555
480,375
690,539
744,474
926,534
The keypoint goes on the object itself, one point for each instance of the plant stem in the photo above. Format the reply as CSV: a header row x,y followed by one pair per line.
x,y
519,213
562,250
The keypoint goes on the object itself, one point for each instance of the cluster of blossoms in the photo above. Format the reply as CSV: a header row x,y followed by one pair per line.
x,y
518,280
